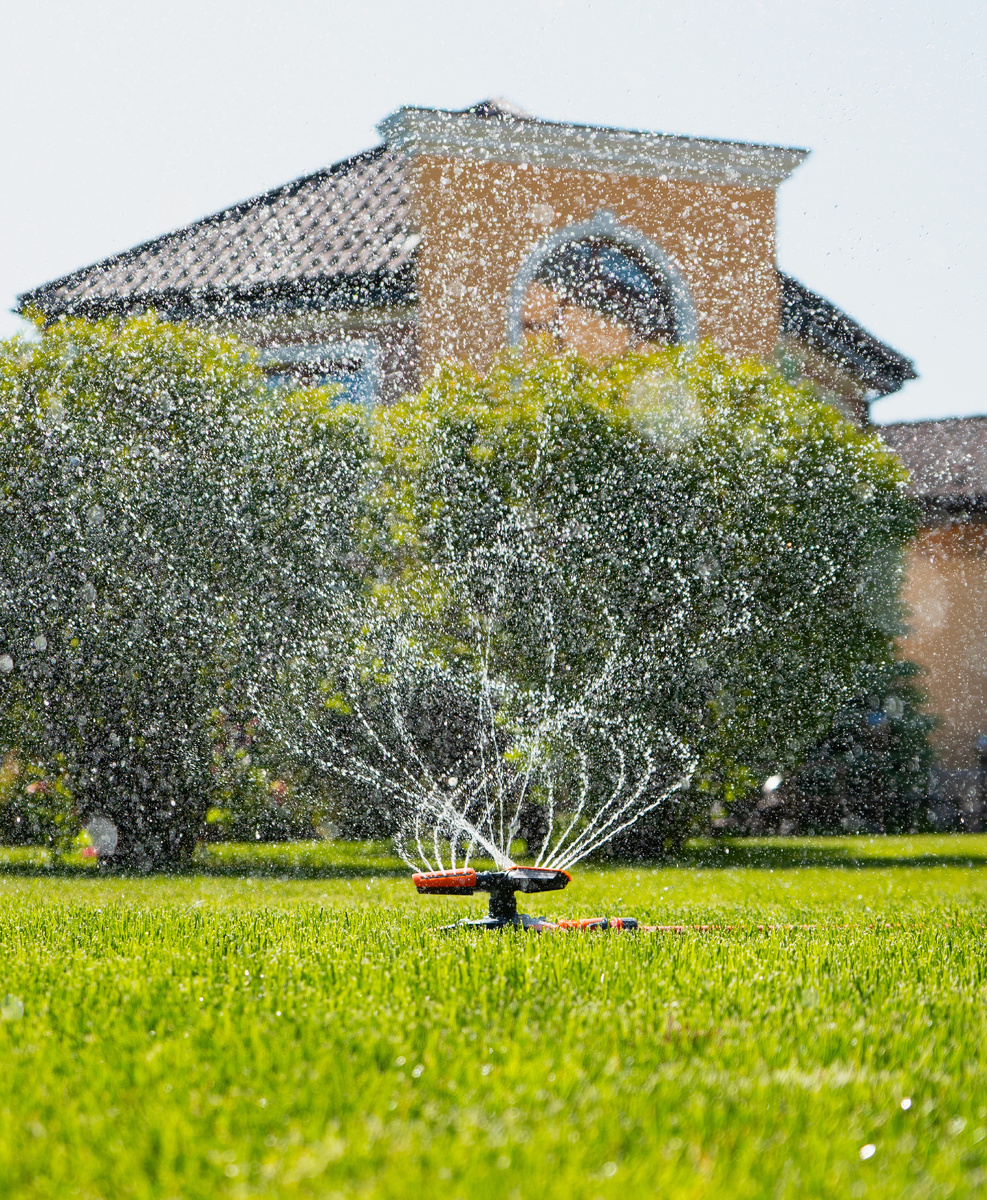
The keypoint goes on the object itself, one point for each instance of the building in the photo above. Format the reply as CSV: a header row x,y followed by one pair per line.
x,y
468,231
946,595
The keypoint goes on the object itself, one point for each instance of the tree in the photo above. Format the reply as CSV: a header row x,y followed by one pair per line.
x,y
164,521
662,572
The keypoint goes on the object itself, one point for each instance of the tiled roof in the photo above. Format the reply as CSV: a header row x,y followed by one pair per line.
x,y
947,459
815,321
339,238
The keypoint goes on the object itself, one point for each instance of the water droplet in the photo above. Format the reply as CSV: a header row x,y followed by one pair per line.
x,y
103,834
11,1008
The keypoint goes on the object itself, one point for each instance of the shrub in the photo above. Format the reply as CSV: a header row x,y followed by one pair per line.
x,y
871,772
163,520
715,546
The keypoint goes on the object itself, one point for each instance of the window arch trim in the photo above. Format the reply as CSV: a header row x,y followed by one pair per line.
x,y
603,225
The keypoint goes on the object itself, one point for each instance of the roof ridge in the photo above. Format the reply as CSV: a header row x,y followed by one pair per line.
x,y
492,110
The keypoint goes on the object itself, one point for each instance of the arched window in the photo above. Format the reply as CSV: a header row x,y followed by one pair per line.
x,y
600,289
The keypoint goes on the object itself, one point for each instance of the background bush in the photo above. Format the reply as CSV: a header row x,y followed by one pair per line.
x,y
870,773
195,573
739,538
163,517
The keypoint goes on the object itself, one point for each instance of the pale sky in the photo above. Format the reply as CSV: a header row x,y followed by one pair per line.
x,y
125,120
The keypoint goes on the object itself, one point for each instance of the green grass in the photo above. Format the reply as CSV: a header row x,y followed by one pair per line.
x,y
287,1022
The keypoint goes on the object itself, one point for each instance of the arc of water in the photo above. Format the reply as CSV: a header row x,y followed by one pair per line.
x,y
617,789
570,859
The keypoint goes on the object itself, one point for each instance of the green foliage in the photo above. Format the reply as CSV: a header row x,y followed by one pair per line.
x,y
249,1037
696,559
870,772
36,805
738,539
162,520
255,794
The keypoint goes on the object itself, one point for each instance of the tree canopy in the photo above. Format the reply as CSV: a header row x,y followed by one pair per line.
x,y
547,600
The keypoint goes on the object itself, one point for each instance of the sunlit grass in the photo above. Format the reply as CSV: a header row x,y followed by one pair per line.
x,y
287,1022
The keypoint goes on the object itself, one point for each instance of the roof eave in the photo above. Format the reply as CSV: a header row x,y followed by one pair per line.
x,y
378,289
952,504
809,317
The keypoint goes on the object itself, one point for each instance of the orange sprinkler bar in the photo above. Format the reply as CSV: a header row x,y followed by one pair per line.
x,y
458,882
503,913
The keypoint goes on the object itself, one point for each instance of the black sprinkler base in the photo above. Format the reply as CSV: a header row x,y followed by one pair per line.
x,y
518,921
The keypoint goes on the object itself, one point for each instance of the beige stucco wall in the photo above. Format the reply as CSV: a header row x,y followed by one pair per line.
x,y
480,220
946,592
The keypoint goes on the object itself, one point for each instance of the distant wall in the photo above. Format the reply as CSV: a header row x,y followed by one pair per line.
x,y
480,220
946,592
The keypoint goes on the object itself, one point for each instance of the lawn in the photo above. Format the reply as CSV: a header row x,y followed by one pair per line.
x,y
286,1021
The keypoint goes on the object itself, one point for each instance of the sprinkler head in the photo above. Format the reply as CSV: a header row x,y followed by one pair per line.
x,y
464,881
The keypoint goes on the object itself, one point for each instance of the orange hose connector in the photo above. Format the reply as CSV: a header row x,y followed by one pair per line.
x,y
591,923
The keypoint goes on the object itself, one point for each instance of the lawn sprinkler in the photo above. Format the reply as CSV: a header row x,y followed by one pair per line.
x,y
503,913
